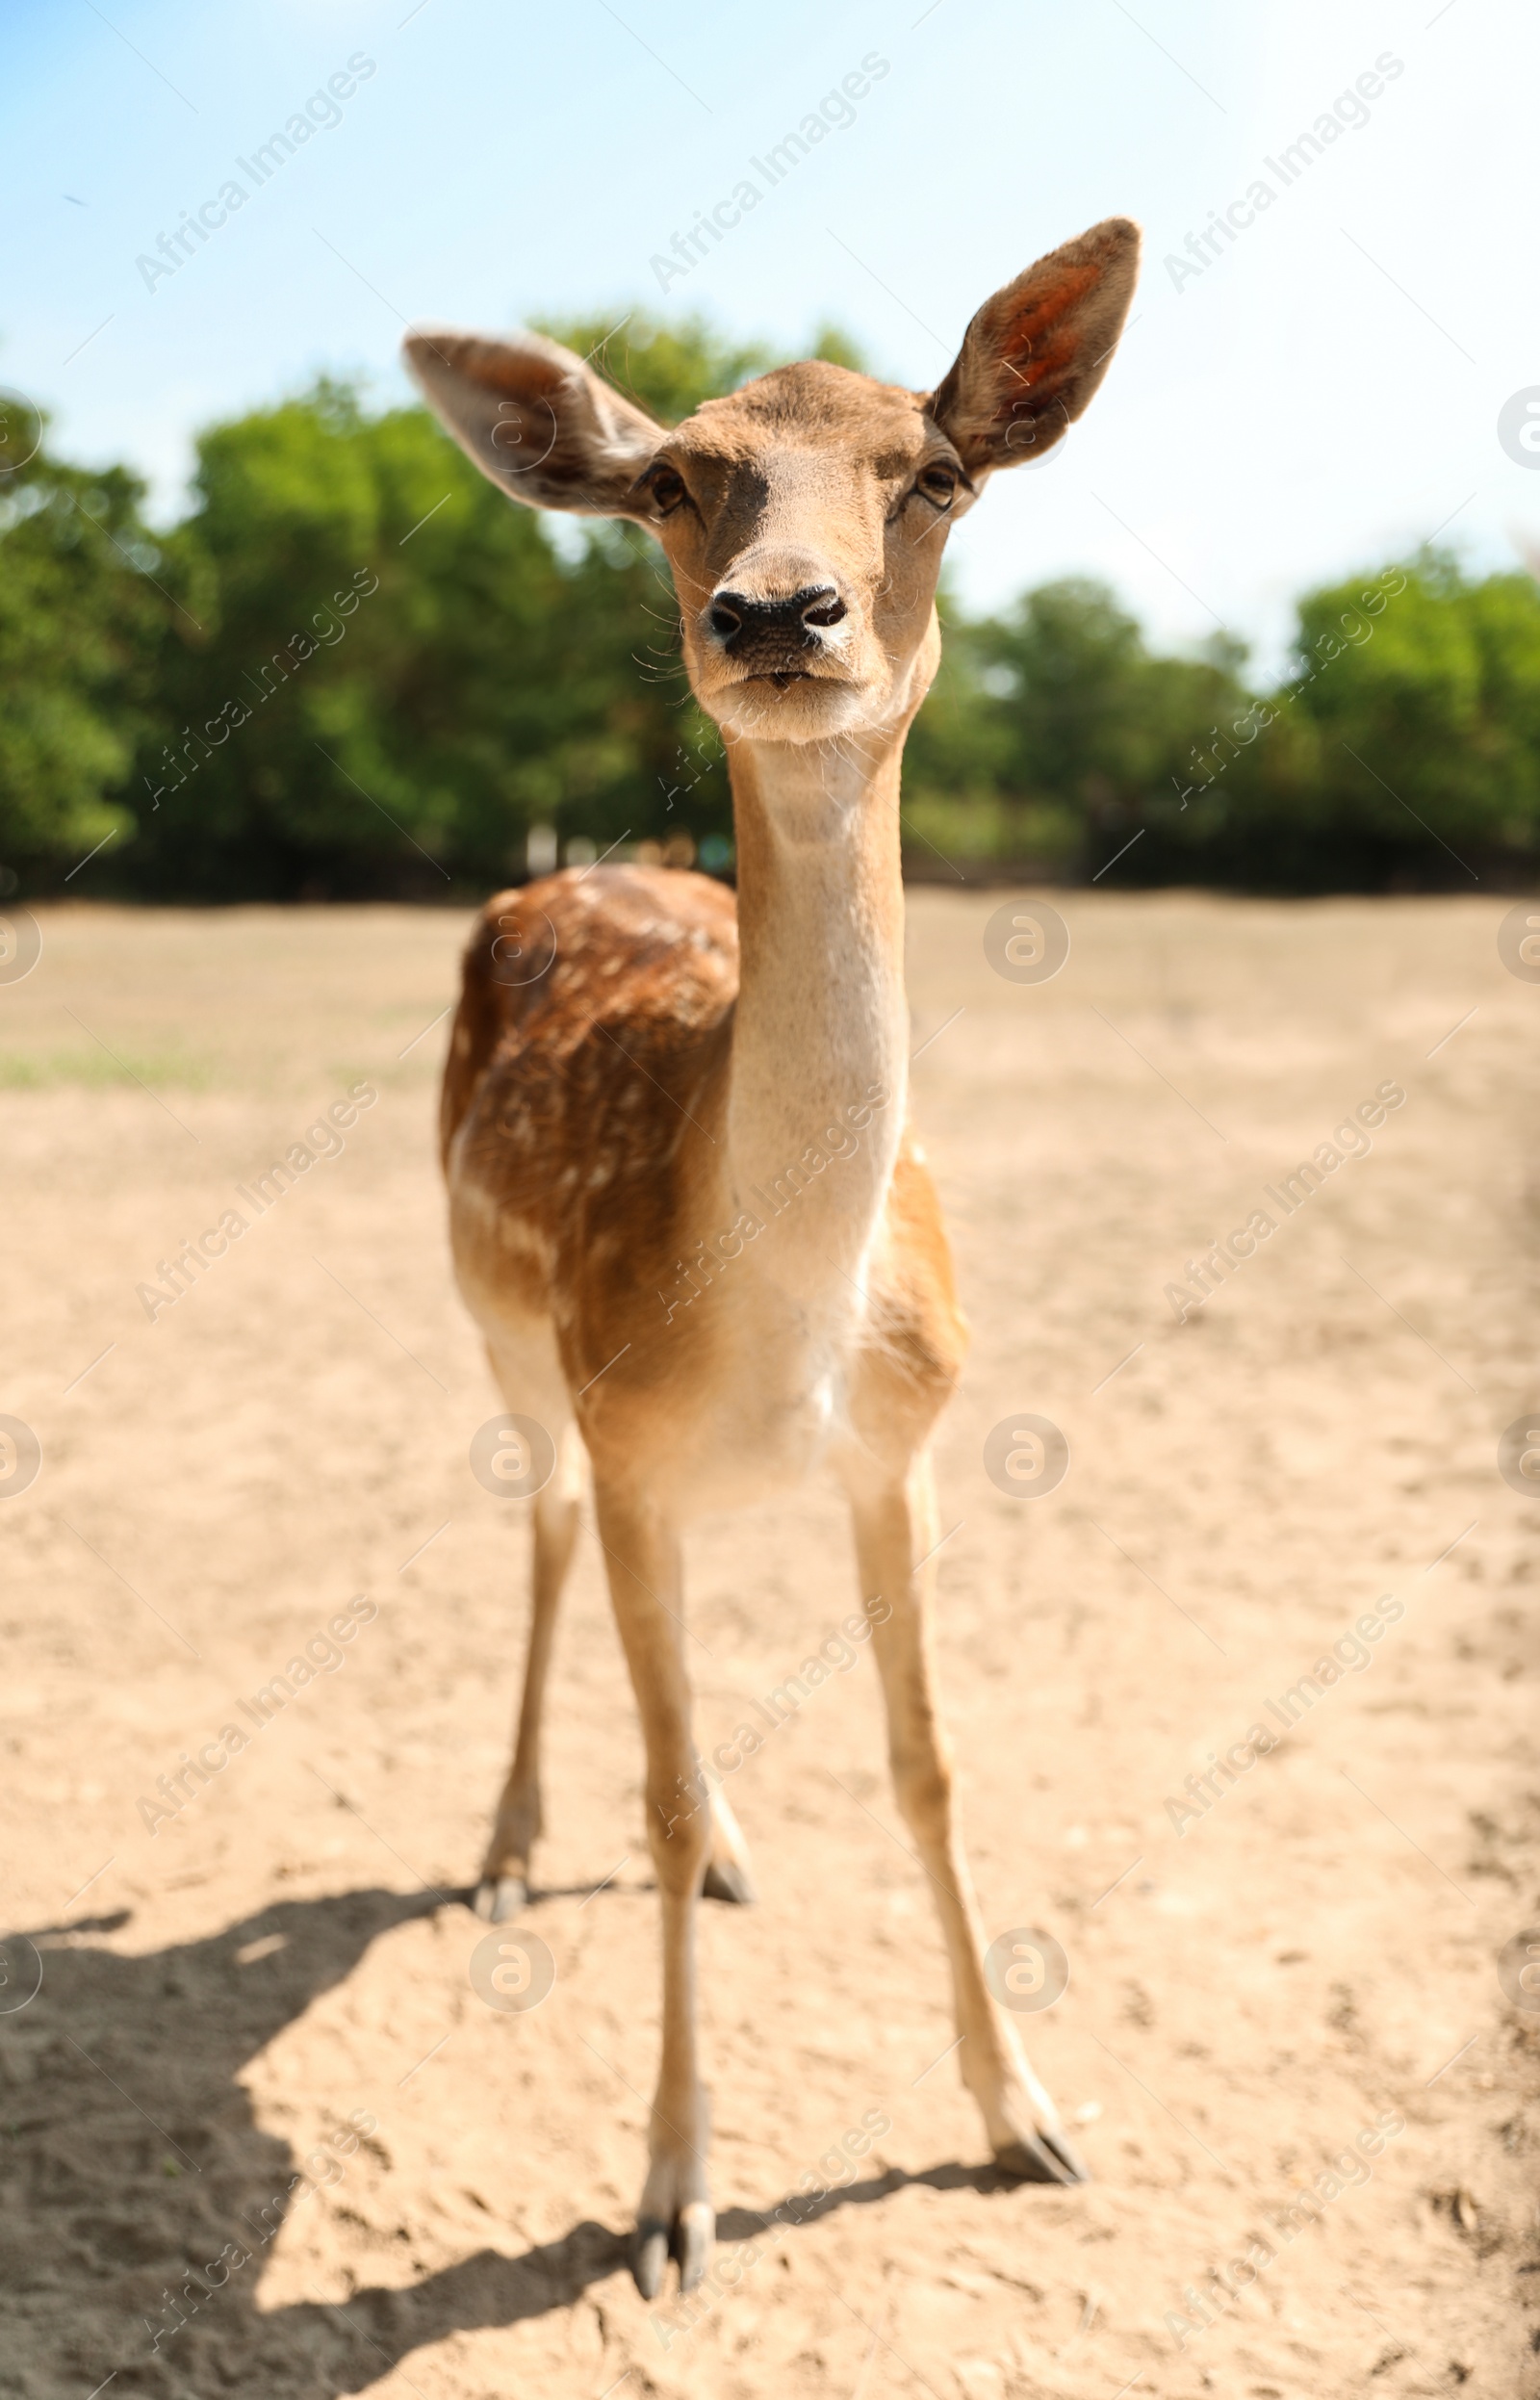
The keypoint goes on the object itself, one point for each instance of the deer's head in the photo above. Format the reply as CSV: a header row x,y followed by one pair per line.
x,y
804,515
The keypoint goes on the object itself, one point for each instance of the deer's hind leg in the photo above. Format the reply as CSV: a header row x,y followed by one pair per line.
x,y
503,1887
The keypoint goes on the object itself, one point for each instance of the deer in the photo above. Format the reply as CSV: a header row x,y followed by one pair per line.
x,y
687,1210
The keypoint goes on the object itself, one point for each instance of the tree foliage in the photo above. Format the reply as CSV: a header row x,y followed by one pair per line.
x,y
1401,747
353,668
81,628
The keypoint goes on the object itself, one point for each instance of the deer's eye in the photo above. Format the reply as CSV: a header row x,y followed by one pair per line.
x,y
937,484
667,489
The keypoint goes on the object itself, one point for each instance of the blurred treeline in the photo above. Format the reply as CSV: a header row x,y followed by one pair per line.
x,y
354,669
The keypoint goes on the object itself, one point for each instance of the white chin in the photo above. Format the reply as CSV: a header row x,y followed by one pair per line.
x,y
808,709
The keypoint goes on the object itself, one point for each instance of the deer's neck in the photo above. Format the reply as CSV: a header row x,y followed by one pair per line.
x,y
819,1058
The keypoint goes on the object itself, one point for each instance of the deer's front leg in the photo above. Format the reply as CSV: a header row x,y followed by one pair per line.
x,y
676,2217
895,1533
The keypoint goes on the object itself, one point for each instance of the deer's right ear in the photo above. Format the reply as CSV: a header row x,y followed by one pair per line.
x,y
536,420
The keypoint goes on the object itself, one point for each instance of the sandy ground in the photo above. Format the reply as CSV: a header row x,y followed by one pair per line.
x,y
241,1989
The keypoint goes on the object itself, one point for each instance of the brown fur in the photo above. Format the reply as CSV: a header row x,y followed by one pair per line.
x,y
569,1100
578,1106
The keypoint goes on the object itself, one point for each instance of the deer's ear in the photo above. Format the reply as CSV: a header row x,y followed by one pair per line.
x,y
537,421
1036,352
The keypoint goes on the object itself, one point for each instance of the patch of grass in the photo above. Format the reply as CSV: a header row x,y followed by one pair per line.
x,y
46,1071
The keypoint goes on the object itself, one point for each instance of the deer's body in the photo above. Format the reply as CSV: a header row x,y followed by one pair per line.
x,y
685,1207
609,1242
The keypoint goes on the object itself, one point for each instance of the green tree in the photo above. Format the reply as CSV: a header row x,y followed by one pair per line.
x,y
355,668
81,628
667,369
399,672
1402,747
670,369
1422,689
384,670
1070,737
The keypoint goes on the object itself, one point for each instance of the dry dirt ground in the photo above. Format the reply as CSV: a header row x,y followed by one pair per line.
x,y
235,1991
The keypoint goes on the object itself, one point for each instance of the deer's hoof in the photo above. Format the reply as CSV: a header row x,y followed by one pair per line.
x,y
728,1879
499,1897
650,2257
1042,2158
694,2232
688,2240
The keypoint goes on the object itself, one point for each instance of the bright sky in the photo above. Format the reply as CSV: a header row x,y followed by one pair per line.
x,y
1323,393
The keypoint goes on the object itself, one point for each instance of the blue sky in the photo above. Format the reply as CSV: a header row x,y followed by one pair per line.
x,y
1321,394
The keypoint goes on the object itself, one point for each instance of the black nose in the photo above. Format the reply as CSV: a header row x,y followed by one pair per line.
x,y
743,624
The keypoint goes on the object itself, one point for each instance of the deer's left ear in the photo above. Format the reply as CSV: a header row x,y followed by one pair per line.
x,y
1034,355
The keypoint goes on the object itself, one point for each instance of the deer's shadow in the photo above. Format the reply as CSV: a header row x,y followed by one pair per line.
x,y
135,2169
